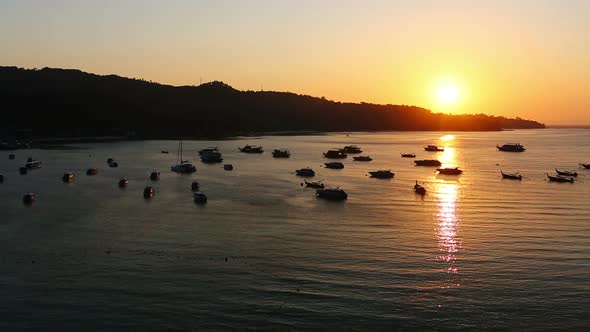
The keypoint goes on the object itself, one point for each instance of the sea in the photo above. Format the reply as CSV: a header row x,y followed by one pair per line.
x,y
477,252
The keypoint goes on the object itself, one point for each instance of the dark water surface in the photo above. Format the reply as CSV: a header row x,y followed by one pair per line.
x,y
264,253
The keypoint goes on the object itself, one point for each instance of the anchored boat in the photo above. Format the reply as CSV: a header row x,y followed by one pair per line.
x,y
200,197
566,173
69,177
382,174
251,149
281,153
306,172
351,149
334,165
155,176
123,183
558,178
362,158
182,166
419,189
430,163
449,171
335,154
511,147
314,184
433,148
511,176
29,198
149,192
334,194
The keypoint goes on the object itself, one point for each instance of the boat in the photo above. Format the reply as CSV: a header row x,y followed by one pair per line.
x,y
23,170
314,184
433,148
251,149
195,186
449,170
208,150
165,151
333,194
559,178
335,154
91,171
112,163
11,156
408,155
511,176
32,164
566,173
29,198
155,176
69,177
228,167
149,192
586,166
307,172
430,163
200,197
511,147
382,174
334,165
351,149
182,166
211,157
362,158
281,153
123,183
419,189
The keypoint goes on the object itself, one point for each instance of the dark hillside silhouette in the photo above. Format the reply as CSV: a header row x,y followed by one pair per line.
x,y
71,103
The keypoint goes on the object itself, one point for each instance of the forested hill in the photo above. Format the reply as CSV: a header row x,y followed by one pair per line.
x,y
59,102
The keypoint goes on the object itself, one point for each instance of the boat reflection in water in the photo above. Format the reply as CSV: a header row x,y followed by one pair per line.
x,y
447,225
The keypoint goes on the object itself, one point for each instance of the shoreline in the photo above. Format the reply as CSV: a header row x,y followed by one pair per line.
x,y
48,143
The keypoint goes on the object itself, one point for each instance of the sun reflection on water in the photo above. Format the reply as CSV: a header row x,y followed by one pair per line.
x,y
447,225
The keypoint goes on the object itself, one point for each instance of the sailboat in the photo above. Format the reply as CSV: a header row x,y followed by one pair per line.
x,y
182,166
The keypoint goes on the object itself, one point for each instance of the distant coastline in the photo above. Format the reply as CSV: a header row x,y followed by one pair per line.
x,y
568,126
71,104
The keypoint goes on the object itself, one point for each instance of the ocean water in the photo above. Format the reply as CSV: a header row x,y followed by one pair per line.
x,y
477,252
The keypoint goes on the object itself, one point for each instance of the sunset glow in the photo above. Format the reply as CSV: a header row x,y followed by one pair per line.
x,y
447,94
531,63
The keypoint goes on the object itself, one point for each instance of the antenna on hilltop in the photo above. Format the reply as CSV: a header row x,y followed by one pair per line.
x,y
200,80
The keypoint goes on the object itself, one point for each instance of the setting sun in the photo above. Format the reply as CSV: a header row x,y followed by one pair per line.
x,y
447,94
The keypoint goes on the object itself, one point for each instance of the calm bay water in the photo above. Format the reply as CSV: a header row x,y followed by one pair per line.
x,y
264,253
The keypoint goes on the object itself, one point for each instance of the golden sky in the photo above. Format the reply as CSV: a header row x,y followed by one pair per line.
x,y
515,58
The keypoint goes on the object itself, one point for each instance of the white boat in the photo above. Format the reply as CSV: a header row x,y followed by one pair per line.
x,y
32,164
182,166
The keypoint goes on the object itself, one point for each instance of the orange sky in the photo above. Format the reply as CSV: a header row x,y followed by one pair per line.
x,y
526,58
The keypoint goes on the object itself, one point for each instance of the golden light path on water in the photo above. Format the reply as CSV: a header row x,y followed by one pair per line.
x,y
447,225
447,219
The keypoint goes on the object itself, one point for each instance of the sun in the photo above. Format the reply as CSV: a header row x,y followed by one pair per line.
x,y
447,94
